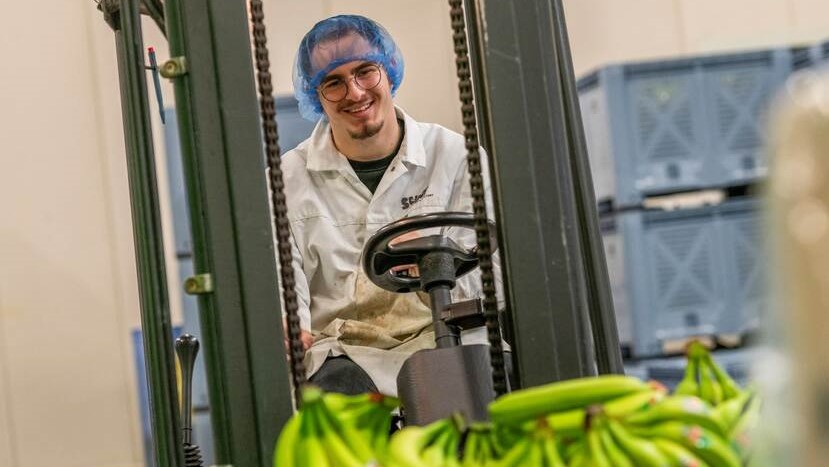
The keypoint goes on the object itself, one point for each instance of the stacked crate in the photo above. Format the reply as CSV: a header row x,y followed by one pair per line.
x,y
661,134
809,57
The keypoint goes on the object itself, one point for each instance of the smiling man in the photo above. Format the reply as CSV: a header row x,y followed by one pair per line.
x,y
366,164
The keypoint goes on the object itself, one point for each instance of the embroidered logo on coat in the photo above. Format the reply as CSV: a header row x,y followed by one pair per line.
x,y
408,201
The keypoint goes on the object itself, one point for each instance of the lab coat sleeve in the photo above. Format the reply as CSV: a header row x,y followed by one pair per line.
x,y
300,287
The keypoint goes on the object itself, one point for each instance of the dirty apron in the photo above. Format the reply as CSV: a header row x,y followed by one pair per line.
x,y
379,331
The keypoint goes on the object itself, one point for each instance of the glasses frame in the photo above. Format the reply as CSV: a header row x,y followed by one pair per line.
x,y
353,77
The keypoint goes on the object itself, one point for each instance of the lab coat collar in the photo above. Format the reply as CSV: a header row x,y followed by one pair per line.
x,y
323,155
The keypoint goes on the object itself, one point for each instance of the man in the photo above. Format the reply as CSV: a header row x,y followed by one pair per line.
x,y
366,165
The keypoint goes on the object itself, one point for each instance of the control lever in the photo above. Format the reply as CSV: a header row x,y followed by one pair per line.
x,y
187,347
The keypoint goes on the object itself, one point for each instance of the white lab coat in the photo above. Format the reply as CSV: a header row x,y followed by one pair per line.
x,y
332,214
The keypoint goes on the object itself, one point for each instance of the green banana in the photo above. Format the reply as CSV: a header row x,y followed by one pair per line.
x,y
741,433
551,458
310,450
285,453
579,458
615,454
520,406
435,453
377,432
472,452
342,452
728,413
596,455
355,442
709,388
406,445
572,448
689,386
678,454
730,388
704,443
535,454
688,409
515,456
504,437
641,452
340,403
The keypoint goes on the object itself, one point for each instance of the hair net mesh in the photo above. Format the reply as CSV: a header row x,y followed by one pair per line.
x,y
333,42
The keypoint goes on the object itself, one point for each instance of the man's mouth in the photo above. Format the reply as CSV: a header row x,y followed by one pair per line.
x,y
359,110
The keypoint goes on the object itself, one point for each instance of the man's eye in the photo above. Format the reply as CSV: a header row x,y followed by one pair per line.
x,y
366,72
331,84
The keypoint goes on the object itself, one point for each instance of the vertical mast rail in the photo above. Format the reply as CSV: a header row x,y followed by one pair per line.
x,y
156,323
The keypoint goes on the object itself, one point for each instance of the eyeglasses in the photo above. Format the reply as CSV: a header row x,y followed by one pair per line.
x,y
366,77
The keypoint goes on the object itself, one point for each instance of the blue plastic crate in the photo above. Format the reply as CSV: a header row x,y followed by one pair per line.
x,y
677,125
666,281
743,249
816,55
684,273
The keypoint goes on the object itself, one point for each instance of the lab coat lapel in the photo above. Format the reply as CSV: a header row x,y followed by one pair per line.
x,y
410,156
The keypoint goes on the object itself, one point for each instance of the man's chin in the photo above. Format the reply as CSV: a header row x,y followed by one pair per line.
x,y
366,131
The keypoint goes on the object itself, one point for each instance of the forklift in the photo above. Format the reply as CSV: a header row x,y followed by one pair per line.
x,y
518,101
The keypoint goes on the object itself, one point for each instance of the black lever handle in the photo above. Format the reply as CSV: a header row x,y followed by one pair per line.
x,y
187,347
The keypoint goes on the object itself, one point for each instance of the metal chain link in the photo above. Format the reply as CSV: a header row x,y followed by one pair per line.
x,y
476,182
277,186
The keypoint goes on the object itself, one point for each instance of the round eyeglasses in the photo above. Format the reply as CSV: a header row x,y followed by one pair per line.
x,y
336,88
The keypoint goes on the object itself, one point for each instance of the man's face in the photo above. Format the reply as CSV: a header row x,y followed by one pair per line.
x,y
362,113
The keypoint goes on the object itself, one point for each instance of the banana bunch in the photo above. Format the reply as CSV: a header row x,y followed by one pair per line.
x,y
735,410
433,445
336,430
481,445
611,442
705,378
539,449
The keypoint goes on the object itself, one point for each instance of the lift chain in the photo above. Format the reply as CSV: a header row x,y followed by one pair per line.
x,y
277,185
476,183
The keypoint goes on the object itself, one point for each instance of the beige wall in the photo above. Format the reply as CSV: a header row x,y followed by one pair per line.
x,y
68,294
610,31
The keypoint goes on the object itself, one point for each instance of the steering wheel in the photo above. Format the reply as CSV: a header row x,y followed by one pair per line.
x,y
379,257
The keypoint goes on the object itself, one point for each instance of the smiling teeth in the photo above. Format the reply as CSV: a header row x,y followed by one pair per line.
x,y
361,108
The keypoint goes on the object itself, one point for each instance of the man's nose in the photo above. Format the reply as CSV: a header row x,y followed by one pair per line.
x,y
354,91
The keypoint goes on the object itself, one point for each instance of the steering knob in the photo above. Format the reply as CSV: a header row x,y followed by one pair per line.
x,y
440,259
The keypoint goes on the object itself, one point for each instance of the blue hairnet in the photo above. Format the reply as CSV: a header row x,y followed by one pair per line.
x,y
338,40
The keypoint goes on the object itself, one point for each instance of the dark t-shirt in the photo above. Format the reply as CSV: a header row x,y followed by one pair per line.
x,y
371,172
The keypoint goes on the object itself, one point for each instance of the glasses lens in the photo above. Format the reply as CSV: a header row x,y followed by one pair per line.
x,y
368,77
334,91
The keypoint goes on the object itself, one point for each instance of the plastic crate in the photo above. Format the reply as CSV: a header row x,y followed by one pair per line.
x,y
745,265
684,273
677,125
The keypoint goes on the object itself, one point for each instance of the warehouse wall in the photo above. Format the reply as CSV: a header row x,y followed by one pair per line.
x,y
604,31
68,294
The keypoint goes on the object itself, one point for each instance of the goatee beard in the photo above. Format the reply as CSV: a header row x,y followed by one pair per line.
x,y
367,132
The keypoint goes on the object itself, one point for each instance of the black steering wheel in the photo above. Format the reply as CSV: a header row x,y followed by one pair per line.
x,y
379,257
